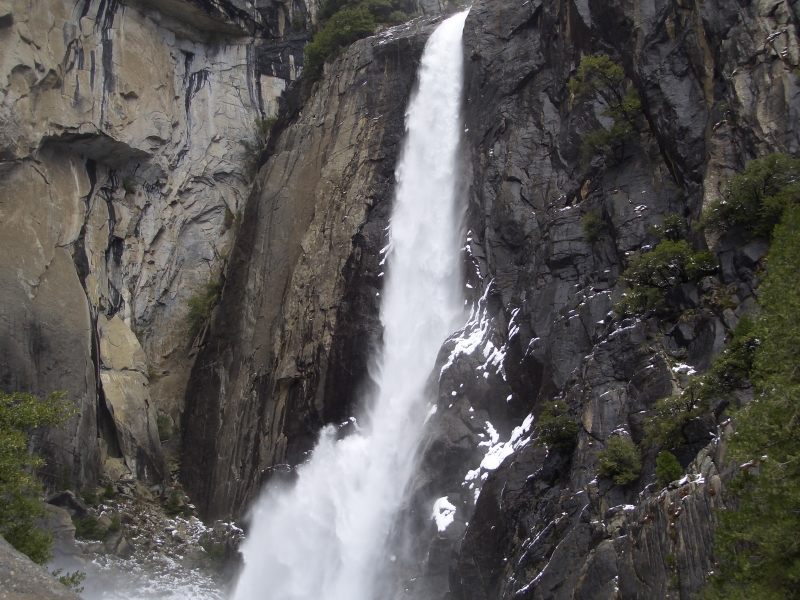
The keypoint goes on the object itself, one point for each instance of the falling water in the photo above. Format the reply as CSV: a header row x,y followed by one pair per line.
x,y
323,538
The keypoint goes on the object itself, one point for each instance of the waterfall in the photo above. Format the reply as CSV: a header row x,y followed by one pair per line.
x,y
323,538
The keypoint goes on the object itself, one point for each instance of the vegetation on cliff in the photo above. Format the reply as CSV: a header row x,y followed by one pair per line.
x,y
651,275
601,78
621,460
557,428
756,546
756,199
201,305
20,489
757,540
345,22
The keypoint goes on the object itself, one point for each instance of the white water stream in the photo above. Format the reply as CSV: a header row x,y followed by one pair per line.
x,y
323,538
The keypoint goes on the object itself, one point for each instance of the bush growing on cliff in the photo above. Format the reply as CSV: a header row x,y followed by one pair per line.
x,y
730,370
621,460
557,428
672,227
346,22
668,468
593,226
341,30
757,541
757,198
600,77
650,275
20,505
253,151
201,305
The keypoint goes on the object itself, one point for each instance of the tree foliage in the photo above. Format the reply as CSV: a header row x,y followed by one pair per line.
x,y
20,505
650,275
593,226
201,305
757,198
341,30
557,428
621,460
757,542
730,370
668,468
600,77
672,227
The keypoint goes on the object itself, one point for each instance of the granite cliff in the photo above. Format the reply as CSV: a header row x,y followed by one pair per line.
x,y
121,174
125,191
717,88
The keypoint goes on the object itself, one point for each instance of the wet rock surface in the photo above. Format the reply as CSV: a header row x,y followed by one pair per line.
x,y
22,579
545,525
289,345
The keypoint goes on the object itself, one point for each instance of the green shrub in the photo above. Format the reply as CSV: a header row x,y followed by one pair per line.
x,y
756,542
214,550
668,468
109,492
164,426
129,185
175,506
672,227
600,77
90,497
253,150
756,199
116,524
621,460
557,428
667,265
201,305
72,580
593,226
730,370
650,275
89,528
341,30
20,505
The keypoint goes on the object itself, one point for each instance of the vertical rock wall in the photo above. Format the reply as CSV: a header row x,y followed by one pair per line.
x,y
718,88
121,172
289,346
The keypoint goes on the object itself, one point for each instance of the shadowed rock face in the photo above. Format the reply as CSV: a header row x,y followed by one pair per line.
x,y
290,342
22,579
715,94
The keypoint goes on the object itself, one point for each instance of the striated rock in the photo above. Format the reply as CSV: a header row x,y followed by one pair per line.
x,y
290,342
121,172
22,579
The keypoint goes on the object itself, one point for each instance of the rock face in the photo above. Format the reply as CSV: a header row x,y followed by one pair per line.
x,y
289,345
21,579
121,172
124,191
716,92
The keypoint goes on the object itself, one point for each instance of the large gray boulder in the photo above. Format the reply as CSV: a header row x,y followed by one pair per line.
x,y
22,579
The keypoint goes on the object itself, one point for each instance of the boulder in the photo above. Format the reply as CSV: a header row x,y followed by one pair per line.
x,y
128,400
22,579
120,350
